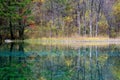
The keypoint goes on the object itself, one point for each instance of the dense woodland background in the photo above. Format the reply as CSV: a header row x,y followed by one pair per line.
x,y
22,19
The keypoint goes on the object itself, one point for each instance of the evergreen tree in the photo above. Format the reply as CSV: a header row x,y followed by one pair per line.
x,y
14,11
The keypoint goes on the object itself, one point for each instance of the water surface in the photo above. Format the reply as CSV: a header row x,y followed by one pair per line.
x,y
21,61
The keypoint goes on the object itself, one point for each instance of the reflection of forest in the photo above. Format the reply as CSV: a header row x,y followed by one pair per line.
x,y
59,63
13,67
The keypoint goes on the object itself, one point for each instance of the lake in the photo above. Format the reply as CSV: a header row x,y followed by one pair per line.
x,y
22,61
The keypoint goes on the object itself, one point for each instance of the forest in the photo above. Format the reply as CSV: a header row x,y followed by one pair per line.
x,y
23,19
59,39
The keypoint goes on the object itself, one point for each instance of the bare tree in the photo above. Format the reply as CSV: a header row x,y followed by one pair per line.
x,y
97,9
91,16
84,17
78,17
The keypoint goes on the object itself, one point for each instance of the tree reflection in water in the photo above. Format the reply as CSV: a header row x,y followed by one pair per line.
x,y
12,63
37,62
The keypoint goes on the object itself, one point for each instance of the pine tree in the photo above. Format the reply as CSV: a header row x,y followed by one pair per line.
x,y
14,11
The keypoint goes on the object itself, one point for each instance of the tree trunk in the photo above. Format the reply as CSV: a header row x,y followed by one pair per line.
x,y
53,17
84,18
84,21
21,34
11,31
78,23
90,25
98,9
97,20
78,19
21,30
91,15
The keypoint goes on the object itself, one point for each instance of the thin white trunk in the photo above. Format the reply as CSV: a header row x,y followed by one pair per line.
x,y
91,16
90,26
97,20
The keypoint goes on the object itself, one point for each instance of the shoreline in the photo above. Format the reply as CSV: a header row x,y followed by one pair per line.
x,y
69,39
81,39
74,41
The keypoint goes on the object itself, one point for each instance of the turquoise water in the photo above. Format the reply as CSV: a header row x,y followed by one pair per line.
x,y
20,61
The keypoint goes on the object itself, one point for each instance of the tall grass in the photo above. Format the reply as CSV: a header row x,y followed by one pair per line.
x,y
74,41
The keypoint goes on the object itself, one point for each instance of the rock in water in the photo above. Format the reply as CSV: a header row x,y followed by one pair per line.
x,y
8,41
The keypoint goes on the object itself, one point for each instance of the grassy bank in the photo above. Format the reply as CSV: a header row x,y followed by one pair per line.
x,y
74,41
